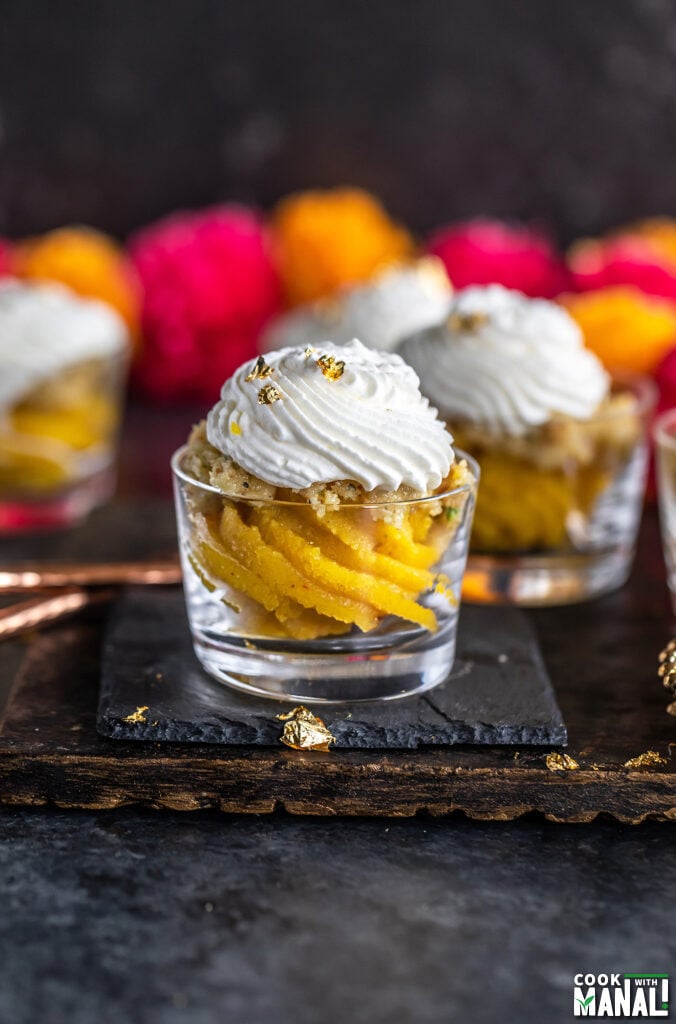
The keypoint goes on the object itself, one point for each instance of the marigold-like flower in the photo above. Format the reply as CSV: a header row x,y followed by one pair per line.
x,y
627,329
209,286
88,262
489,251
327,239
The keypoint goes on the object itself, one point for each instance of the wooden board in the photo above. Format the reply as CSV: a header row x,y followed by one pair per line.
x,y
602,660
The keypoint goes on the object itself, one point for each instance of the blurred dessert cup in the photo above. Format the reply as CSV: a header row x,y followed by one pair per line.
x,y
63,365
562,446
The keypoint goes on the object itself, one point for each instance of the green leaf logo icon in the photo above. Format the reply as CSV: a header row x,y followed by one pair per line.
x,y
585,1002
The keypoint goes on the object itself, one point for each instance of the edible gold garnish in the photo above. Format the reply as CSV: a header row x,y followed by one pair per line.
x,y
561,762
467,322
137,716
260,371
304,731
309,351
650,759
268,395
235,429
331,368
667,669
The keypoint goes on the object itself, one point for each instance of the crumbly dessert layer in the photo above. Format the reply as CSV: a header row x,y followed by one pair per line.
x,y
206,464
563,441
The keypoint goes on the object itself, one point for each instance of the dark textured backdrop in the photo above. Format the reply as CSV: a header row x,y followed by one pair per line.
x,y
115,111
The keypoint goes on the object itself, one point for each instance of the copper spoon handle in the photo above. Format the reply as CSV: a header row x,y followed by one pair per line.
x,y
39,575
39,611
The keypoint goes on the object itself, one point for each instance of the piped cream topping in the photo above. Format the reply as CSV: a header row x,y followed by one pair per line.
x,y
303,416
506,362
401,300
45,328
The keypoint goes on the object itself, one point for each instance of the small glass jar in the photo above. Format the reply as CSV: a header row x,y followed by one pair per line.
x,y
58,445
326,603
559,509
664,433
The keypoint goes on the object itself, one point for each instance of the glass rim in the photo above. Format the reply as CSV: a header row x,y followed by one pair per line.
x,y
460,456
661,426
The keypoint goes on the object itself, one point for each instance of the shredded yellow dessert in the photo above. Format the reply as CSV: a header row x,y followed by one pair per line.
x,y
316,566
533,485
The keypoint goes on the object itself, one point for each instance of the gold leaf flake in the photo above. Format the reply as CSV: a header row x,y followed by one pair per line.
x,y
304,731
561,762
309,351
137,716
260,371
331,368
667,667
268,395
649,759
467,322
235,429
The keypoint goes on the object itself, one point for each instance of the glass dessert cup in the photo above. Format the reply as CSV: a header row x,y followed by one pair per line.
x,y
559,510
58,445
329,603
664,433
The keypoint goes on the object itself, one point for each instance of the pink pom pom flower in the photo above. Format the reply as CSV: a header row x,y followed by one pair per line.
x,y
489,251
5,258
209,287
622,260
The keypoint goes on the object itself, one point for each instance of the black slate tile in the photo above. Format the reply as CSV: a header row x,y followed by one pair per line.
x,y
497,693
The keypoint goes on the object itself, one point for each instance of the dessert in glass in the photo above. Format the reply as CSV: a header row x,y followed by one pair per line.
x,y
324,520
664,433
63,363
562,446
403,298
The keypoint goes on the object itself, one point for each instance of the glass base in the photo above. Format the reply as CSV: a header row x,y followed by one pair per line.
x,y
59,509
538,580
376,672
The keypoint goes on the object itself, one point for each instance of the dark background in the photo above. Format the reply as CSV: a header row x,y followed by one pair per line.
x,y
113,112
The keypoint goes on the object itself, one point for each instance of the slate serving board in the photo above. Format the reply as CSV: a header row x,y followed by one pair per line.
x,y
498,692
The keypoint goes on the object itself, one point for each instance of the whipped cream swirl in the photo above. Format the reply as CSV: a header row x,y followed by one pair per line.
x,y
368,423
401,300
45,328
506,363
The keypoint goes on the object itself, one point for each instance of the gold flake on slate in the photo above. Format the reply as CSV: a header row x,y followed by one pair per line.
x,y
649,759
331,368
304,731
561,762
260,371
667,669
467,322
268,395
137,716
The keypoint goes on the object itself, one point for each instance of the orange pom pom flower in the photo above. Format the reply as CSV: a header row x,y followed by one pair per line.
x,y
88,262
327,239
627,329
